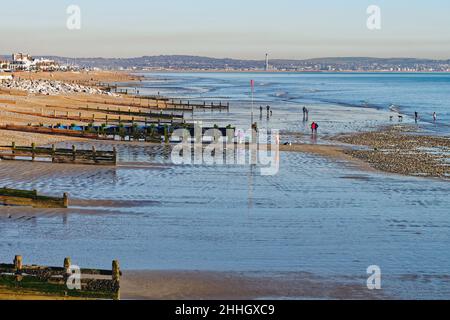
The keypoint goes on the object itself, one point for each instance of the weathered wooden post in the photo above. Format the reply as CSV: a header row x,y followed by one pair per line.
x,y
33,151
116,279
13,148
65,200
74,153
166,134
54,113
94,153
115,271
18,265
115,155
79,115
67,264
53,152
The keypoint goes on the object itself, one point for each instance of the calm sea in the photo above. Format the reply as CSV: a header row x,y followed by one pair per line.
x,y
403,93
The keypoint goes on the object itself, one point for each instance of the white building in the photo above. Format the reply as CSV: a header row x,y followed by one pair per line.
x,y
26,62
4,77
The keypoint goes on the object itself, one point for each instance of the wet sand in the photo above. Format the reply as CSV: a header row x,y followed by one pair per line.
x,y
201,285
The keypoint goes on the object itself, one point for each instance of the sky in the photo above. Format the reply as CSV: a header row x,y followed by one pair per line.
x,y
245,29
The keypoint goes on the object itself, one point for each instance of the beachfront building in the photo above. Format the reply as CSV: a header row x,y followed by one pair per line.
x,y
25,62
5,76
45,65
4,65
21,61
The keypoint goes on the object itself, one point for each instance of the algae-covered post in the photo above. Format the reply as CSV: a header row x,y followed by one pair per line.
x,y
33,151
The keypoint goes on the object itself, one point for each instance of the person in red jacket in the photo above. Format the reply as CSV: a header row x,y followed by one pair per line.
x,y
314,127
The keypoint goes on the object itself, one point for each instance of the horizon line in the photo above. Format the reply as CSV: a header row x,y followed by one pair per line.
x,y
228,58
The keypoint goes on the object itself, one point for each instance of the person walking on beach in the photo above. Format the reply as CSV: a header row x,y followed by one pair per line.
x,y
304,113
434,116
314,127
268,111
416,116
260,111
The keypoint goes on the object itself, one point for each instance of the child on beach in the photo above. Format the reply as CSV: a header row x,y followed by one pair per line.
x,y
434,116
314,127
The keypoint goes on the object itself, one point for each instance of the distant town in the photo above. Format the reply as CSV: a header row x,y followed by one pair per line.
x,y
25,62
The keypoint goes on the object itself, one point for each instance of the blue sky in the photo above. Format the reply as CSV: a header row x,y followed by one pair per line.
x,y
228,28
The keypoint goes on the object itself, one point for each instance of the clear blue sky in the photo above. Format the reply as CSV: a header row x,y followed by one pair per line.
x,y
227,28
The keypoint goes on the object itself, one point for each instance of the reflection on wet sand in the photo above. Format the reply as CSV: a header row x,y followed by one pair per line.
x,y
196,285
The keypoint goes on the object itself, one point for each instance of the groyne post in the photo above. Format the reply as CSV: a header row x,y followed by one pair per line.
x,y
66,200
53,152
33,151
74,153
116,278
115,155
13,148
18,265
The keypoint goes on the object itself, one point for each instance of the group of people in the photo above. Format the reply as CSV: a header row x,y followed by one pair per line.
x,y
314,125
269,111
416,117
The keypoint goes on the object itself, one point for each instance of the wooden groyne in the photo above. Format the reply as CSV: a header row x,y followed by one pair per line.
x,y
139,113
51,131
14,197
151,117
189,105
64,281
150,132
59,155
164,104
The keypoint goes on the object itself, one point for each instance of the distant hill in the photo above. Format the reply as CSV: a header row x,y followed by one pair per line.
x,y
178,62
